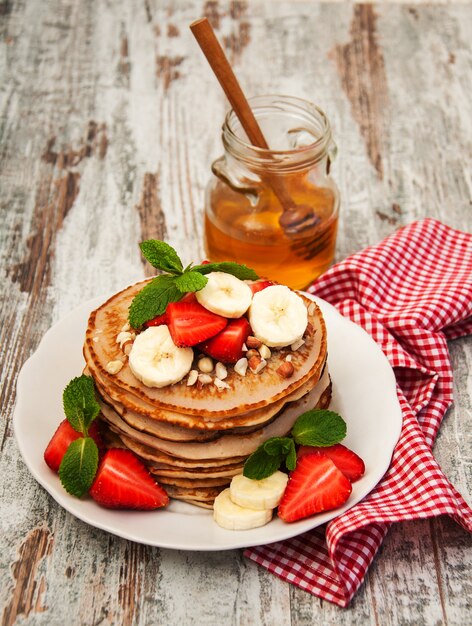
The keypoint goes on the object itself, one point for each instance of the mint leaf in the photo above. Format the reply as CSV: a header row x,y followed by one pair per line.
x,y
291,458
319,427
80,405
190,281
153,299
277,446
260,464
240,271
79,466
269,456
161,255
283,447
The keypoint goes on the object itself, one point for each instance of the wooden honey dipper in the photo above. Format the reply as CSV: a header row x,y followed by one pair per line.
x,y
295,220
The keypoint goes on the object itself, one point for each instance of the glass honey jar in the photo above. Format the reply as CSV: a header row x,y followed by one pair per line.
x,y
275,210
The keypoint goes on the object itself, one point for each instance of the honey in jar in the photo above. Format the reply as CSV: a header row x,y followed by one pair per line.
x,y
275,210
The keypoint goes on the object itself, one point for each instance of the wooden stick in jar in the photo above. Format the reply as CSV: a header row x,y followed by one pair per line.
x,y
211,48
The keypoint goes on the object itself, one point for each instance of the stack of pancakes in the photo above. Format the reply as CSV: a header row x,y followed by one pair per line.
x,y
194,439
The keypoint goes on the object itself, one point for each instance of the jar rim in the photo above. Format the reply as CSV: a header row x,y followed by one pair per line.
x,y
244,148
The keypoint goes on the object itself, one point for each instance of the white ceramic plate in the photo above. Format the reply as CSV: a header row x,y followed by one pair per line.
x,y
363,393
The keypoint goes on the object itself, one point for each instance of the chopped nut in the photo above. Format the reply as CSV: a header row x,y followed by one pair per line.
x,y
220,384
192,378
240,367
256,364
265,352
123,337
205,365
253,342
288,358
127,347
309,330
251,353
297,344
126,327
285,370
113,367
204,379
221,371
244,348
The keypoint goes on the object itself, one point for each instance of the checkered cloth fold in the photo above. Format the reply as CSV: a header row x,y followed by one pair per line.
x,y
411,292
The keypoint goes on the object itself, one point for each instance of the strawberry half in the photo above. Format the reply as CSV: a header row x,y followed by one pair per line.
x,y
157,321
315,485
227,346
190,323
62,439
351,465
260,285
124,482
162,319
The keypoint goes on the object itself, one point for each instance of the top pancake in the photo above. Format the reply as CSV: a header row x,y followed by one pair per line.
x,y
245,393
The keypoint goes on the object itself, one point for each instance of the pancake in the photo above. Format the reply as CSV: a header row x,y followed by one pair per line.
x,y
208,472
128,408
227,445
244,393
202,494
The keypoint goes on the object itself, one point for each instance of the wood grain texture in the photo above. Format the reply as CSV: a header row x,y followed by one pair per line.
x,y
109,120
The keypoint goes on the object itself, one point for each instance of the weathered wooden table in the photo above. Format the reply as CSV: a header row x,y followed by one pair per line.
x,y
109,121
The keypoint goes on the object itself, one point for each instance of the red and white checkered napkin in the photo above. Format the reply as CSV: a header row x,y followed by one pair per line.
x,y
411,293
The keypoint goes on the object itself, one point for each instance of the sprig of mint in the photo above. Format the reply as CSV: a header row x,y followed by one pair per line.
x,y
176,280
79,466
317,427
80,405
80,462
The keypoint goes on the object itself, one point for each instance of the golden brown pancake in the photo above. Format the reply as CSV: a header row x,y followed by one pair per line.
x,y
128,407
228,445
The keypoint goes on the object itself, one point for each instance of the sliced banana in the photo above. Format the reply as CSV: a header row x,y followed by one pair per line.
x,y
258,494
229,515
278,316
225,295
155,359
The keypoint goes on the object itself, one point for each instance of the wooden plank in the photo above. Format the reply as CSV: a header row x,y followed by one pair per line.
x,y
109,122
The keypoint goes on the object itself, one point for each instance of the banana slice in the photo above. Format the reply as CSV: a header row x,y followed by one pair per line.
x,y
229,515
278,316
258,494
155,359
225,295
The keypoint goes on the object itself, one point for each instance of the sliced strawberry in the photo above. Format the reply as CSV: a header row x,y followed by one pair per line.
x,y
315,485
227,346
124,482
260,285
157,321
351,465
190,323
189,297
61,440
